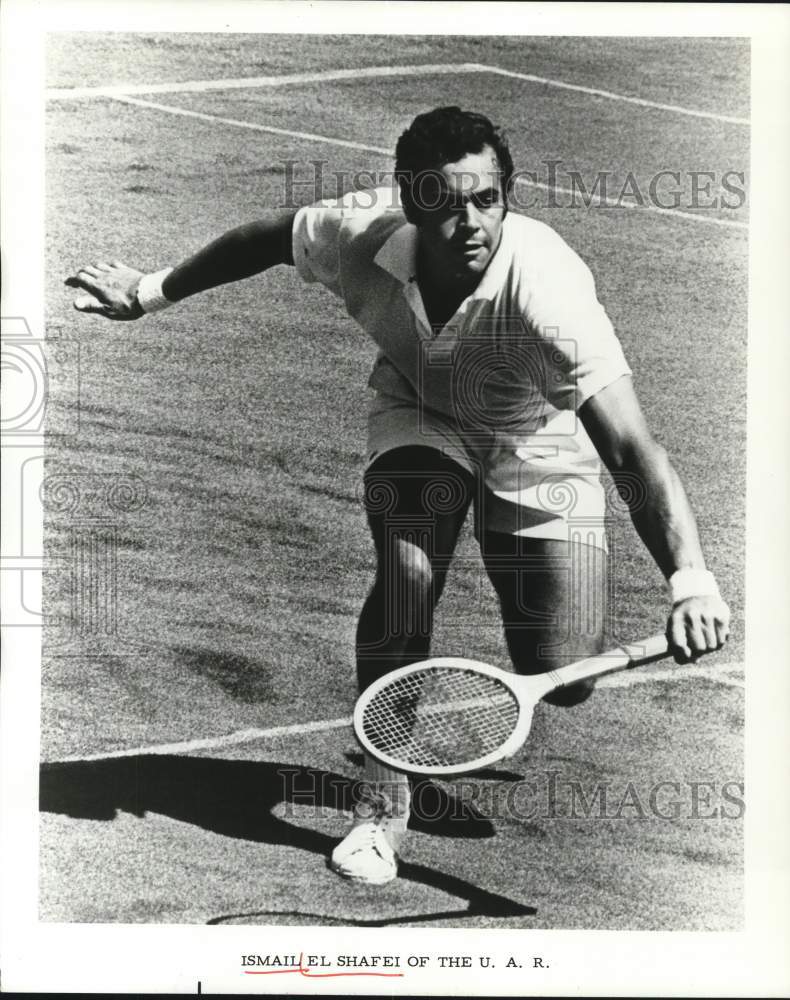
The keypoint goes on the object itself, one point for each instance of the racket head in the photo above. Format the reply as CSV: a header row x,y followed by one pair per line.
x,y
444,716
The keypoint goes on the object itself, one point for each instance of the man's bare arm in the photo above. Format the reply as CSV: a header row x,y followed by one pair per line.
x,y
660,511
110,289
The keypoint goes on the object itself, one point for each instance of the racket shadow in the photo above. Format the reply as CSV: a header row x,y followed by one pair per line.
x,y
441,812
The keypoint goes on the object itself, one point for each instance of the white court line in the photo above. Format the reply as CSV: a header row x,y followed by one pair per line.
x,y
609,95
728,674
252,126
255,82
216,742
366,148
600,202
433,69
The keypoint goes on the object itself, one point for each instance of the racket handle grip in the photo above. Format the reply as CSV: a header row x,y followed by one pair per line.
x,y
648,651
633,655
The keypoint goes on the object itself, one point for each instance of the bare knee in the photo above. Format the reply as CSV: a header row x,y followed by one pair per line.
x,y
571,694
405,582
532,654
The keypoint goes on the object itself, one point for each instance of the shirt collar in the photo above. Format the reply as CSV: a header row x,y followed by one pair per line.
x,y
398,256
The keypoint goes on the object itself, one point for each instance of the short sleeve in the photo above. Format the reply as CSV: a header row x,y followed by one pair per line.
x,y
584,351
316,233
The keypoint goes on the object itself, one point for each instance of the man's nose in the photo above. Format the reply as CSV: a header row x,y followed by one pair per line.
x,y
470,217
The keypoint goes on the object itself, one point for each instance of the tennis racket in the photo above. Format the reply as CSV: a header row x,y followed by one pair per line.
x,y
450,716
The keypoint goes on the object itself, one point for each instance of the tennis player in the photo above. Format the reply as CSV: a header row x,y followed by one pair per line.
x,y
500,386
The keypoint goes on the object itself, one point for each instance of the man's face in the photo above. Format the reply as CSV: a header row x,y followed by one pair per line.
x,y
462,210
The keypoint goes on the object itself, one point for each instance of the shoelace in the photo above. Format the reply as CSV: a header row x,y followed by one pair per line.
x,y
375,805
376,836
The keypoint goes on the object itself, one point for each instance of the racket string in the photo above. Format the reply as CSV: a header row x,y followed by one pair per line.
x,y
441,716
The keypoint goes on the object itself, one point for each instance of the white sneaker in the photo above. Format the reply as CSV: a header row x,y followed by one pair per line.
x,y
369,853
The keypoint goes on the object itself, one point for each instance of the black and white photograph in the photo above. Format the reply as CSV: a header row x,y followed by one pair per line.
x,y
375,502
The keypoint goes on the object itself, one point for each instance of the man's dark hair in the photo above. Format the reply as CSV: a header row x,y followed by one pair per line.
x,y
445,135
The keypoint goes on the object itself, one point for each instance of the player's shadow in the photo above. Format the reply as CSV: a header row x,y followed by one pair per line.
x,y
235,799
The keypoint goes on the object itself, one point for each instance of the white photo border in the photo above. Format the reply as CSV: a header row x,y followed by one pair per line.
x,y
94,958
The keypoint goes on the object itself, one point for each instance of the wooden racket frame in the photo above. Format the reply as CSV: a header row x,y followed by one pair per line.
x,y
527,690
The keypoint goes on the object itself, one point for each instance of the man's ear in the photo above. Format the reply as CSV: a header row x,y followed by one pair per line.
x,y
407,203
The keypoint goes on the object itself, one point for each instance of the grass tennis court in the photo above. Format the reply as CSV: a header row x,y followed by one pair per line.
x,y
239,418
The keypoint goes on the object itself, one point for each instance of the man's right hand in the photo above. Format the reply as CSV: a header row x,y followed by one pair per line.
x,y
110,290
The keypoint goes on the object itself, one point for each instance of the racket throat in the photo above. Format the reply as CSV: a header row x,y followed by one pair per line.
x,y
620,658
544,684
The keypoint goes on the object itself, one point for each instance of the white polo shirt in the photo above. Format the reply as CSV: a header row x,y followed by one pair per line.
x,y
498,386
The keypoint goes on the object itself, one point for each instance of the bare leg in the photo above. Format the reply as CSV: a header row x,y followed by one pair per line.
x,y
552,596
416,501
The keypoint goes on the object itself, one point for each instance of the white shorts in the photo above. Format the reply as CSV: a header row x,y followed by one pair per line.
x,y
521,494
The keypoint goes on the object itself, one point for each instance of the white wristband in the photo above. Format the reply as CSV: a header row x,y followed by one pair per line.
x,y
689,582
149,292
